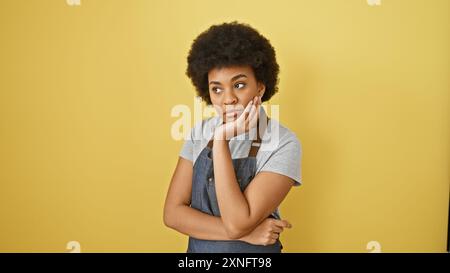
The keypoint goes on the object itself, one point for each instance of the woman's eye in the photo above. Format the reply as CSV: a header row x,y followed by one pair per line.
x,y
216,90
240,83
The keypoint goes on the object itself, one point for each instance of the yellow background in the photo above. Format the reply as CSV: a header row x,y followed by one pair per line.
x,y
86,93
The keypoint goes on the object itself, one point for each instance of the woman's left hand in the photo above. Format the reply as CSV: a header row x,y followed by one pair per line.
x,y
246,121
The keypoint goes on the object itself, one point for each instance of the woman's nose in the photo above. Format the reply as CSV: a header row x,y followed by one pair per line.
x,y
230,98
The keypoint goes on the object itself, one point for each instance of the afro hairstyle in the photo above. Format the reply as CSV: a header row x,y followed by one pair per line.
x,y
232,44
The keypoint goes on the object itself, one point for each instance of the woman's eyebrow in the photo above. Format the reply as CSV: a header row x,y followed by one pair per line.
x,y
232,79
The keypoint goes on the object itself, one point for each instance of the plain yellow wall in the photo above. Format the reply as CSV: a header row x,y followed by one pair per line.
x,y
86,94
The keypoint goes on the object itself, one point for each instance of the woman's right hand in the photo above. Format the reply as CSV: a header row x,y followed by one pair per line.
x,y
267,232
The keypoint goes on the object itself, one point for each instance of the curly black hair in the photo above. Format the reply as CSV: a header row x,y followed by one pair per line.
x,y
231,44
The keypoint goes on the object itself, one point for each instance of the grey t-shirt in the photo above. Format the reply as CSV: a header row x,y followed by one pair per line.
x,y
280,151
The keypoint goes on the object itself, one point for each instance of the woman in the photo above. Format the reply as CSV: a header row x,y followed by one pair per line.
x,y
235,169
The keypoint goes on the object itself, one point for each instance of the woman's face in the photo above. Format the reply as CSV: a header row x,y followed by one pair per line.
x,y
231,89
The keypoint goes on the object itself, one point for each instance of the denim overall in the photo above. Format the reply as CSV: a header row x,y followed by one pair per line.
x,y
204,199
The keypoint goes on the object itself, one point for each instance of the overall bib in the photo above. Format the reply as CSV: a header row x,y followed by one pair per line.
x,y
204,199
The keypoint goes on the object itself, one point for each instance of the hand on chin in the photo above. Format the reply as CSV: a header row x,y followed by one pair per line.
x,y
235,125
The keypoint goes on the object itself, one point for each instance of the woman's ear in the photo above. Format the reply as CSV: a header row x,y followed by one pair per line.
x,y
261,89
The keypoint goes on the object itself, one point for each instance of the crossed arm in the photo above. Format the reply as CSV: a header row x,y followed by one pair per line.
x,y
241,212
180,216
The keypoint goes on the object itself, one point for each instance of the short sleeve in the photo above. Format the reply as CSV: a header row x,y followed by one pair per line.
x,y
286,159
187,151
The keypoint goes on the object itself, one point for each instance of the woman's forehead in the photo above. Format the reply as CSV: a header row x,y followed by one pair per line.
x,y
228,73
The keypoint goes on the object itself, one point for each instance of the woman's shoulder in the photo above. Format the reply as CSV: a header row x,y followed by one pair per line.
x,y
281,152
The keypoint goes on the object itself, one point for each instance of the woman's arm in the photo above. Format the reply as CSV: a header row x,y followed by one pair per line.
x,y
242,212
180,216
